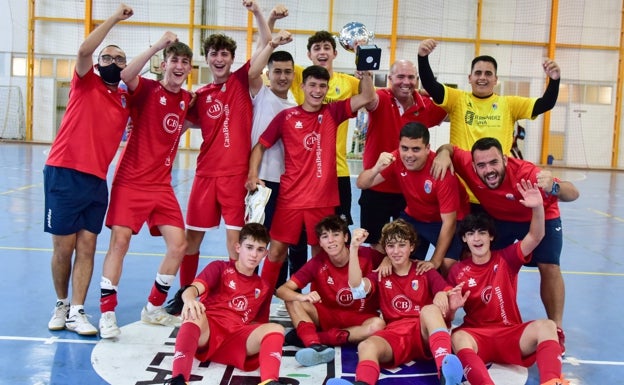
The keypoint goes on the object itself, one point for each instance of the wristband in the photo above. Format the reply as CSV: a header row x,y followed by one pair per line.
x,y
358,292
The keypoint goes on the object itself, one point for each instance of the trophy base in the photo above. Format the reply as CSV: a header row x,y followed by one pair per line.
x,y
367,57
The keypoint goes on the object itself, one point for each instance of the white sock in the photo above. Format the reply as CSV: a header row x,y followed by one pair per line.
x,y
74,310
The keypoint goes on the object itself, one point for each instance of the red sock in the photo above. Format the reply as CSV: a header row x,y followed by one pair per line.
x,y
334,337
188,269
270,271
158,295
270,356
440,345
185,348
108,300
307,332
476,372
548,356
367,371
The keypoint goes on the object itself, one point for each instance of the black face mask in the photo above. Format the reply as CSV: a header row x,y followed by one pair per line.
x,y
110,74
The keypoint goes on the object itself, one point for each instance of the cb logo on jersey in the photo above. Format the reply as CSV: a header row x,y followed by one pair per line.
x,y
171,123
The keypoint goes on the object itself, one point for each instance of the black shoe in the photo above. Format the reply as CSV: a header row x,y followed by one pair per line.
x,y
175,304
177,380
292,339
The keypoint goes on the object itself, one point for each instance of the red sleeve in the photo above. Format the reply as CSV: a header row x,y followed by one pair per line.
x,y
306,273
273,131
436,282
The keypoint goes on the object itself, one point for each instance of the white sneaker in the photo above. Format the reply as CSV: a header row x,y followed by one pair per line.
x,y
108,325
80,324
255,203
59,315
159,316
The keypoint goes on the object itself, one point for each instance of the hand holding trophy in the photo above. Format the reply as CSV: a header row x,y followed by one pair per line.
x,y
354,37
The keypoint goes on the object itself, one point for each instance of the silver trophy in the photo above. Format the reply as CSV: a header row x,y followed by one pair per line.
x,y
367,55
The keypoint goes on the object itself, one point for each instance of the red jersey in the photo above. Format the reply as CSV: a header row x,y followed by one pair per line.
x,y
233,298
332,284
224,112
158,116
493,287
427,197
403,297
310,179
503,203
92,127
385,124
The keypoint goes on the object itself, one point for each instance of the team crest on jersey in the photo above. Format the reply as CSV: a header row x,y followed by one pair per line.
x,y
428,186
415,285
223,88
171,123
495,106
510,197
163,100
239,303
486,295
182,105
320,118
344,297
495,268
257,292
401,303
310,141
214,109
123,101
337,91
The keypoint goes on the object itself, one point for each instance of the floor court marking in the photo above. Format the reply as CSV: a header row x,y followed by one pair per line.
x,y
56,340
604,214
20,189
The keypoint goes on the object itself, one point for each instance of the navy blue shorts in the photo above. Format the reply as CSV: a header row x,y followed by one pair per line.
x,y
428,234
73,201
549,249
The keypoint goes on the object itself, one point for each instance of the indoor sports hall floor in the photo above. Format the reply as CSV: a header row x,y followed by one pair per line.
x,y
592,262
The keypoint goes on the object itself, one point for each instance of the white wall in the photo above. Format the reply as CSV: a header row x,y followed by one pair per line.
x,y
580,22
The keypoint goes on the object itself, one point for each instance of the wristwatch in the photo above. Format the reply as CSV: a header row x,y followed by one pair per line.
x,y
555,188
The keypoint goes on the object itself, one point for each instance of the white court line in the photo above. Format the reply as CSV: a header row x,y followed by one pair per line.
x,y
576,362
47,341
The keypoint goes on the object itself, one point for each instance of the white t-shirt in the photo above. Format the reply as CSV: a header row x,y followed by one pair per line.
x,y
265,106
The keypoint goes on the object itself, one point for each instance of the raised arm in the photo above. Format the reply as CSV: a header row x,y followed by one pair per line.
x,y
84,61
360,286
260,61
130,74
280,11
367,90
549,99
567,190
372,177
427,79
532,198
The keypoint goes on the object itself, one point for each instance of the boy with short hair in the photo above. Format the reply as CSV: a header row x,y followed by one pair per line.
x,y
142,190
229,324
414,305
330,314
493,330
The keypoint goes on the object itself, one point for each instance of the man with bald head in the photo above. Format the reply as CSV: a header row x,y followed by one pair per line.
x,y
392,108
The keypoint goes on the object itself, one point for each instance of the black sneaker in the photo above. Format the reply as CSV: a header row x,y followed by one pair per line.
x,y
292,339
175,304
177,380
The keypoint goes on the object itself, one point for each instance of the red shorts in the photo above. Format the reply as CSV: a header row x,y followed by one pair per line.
x,y
340,319
213,197
287,223
132,207
227,345
406,342
500,344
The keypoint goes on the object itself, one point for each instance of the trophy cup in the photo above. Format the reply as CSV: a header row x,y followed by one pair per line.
x,y
367,55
